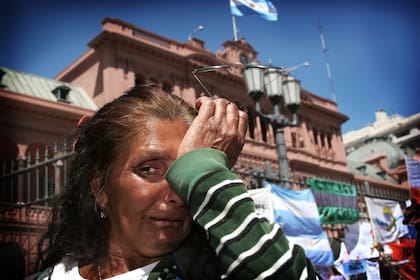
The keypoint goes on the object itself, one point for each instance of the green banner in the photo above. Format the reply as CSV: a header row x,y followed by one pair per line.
x,y
336,215
336,201
333,187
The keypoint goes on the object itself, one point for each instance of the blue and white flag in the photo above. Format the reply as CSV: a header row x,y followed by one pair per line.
x,y
263,203
263,8
297,214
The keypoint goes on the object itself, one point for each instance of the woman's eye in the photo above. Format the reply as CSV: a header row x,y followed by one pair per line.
x,y
152,172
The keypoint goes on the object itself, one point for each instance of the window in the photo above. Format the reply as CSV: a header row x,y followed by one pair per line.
x,y
382,174
154,81
139,80
362,169
243,58
301,142
322,136
166,87
2,74
294,140
315,132
329,141
62,93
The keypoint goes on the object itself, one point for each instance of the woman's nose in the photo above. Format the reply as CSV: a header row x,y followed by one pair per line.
x,y
170,195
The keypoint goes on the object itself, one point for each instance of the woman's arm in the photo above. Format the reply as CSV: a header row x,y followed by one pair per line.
x,y
248,246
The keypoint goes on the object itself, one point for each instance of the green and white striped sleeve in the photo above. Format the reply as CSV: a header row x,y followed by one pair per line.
x,y
249,247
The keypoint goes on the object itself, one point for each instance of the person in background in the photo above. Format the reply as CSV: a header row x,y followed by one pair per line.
x,y
12,260
412,216
151,196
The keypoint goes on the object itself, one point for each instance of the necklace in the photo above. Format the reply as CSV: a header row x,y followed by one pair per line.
x,y
99,270
166,271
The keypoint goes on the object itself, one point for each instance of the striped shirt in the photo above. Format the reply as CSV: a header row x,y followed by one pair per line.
x,y
248,246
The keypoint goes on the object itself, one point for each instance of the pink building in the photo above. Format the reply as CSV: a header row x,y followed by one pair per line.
x,y
121,56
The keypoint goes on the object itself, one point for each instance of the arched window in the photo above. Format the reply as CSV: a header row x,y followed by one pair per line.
x,y
9,150
315,132
154,81
8,163
139,80
167,87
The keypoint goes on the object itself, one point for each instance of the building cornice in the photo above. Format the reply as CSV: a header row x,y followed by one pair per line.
x,y
24,103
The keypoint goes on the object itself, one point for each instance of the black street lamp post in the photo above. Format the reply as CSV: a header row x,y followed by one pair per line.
x,y
275,83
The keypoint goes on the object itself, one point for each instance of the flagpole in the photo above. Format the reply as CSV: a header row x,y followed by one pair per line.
x,y
235,31
370,215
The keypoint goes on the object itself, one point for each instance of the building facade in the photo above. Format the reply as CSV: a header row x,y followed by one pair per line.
x,y
123,55
37,115
379,149
401,131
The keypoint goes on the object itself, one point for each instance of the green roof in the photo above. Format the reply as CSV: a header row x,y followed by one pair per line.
x,y
45,88
376,147
356,159
369,170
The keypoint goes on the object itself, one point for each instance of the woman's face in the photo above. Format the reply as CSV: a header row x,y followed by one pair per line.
x,y
148,220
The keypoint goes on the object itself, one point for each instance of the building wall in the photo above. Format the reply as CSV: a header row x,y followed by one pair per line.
x,y
403,131
123,53
27,121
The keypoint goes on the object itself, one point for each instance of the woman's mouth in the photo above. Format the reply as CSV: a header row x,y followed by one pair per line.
x,y
165,222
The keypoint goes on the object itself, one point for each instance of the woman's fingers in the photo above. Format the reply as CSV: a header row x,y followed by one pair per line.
x,y
221,109
206,107
243,124
220,125
232,115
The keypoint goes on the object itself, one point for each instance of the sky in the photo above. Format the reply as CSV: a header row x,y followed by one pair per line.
x,y
373,46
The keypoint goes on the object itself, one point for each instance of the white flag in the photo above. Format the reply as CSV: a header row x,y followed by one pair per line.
x,y
386,217
359,237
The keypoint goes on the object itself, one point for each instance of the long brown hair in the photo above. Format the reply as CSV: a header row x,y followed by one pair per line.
x,y
76,228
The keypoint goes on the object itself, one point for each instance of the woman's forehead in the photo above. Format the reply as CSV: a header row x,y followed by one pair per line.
x,y
157,135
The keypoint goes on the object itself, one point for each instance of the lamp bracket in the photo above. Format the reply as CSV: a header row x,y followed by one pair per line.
x,y
277,120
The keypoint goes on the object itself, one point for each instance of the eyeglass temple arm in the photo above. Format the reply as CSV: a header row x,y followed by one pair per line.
x,y
208,69
194,73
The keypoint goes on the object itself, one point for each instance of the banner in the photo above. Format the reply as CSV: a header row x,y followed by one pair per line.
x,y
413,176
297,214
263,203
386,217
263,8
359,241
372,270
354,267
336,201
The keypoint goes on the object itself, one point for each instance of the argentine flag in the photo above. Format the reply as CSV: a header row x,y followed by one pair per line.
x,y
262,8
297,213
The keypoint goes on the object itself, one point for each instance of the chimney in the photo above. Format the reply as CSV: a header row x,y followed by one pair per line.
x,y
381,116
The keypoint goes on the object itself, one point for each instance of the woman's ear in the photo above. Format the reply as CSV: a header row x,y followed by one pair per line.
x,y
98,191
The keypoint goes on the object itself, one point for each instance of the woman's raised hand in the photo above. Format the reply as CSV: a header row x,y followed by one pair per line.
x,y
219,125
